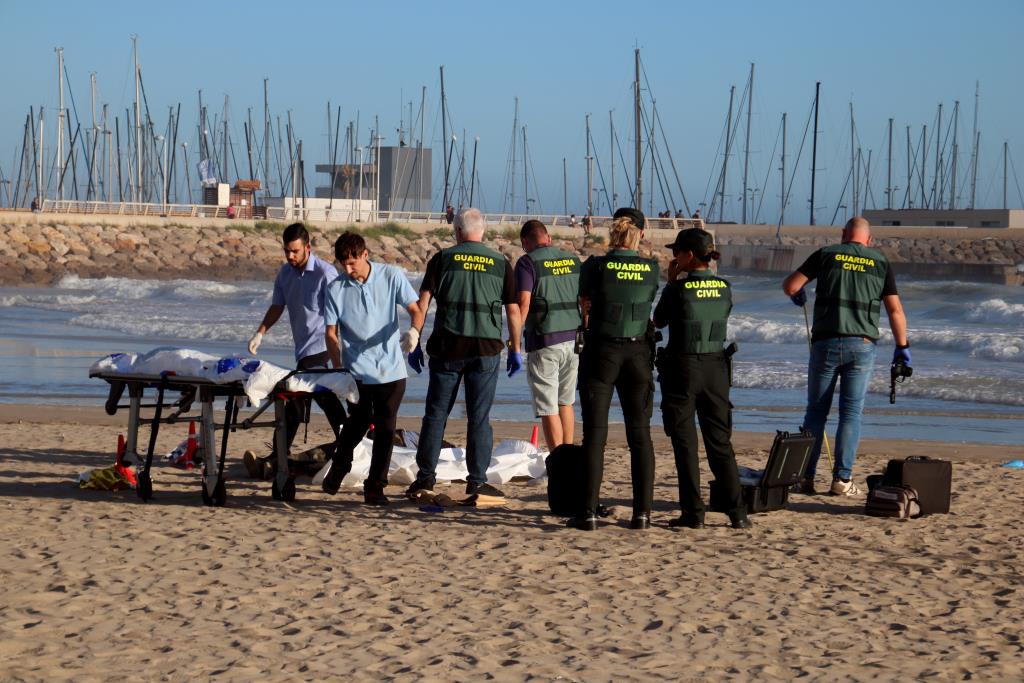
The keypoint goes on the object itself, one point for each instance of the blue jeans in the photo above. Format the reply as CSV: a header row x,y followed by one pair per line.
x,y
481,376
849,361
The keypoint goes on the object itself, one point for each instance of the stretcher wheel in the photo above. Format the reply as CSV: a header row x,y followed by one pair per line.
x,y
287,493
220,494
145,486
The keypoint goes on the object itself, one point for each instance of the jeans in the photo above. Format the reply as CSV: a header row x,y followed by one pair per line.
x,y
378,403
849,361
481,376
624,367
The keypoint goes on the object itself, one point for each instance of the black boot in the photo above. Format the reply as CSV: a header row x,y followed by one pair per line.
x,y
641,520
687,520
585,522
740,521
374,495
332,482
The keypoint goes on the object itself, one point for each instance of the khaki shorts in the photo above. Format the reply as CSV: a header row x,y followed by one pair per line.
x,y
551,375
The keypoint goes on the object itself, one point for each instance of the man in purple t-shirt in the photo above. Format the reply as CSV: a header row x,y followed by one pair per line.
x,y
547,280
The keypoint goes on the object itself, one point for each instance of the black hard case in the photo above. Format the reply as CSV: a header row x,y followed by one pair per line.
x,y
565,480
931,478
768,489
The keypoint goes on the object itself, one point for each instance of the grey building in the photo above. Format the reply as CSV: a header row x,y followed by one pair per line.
x,y
405,179
961,218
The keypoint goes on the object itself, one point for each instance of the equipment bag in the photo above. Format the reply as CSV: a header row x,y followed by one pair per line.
x,y
565,480
892,501
931,478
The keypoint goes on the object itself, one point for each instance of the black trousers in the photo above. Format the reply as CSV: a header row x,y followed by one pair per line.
x,y
622,366
699,383
328,401
378,405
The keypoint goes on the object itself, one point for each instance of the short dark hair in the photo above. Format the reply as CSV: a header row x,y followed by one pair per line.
x,y
295,231
533,229
349,245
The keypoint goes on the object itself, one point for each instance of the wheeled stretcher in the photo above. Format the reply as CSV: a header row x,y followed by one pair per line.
x,y
206,392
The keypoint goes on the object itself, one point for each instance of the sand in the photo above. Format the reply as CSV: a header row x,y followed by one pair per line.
x,y
100,586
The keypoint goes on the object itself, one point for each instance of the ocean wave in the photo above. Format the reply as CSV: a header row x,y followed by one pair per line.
x,y
997,311
942,386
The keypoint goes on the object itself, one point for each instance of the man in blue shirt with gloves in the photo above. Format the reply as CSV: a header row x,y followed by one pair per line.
x,y
362,332
300,287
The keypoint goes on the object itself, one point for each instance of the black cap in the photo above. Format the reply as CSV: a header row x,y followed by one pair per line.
x,y
635,216
693,239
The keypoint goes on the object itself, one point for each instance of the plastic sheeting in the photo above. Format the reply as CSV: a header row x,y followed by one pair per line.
x,y
510,459
258,377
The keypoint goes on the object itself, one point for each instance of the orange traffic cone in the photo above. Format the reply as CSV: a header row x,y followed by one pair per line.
x,y
187,459
121,445
534,437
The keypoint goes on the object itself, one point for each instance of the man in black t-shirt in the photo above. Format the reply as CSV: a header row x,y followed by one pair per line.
x,y
854,280
471,284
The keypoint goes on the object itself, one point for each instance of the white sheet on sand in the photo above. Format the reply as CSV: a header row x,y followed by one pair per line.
x,y
510,459
258,377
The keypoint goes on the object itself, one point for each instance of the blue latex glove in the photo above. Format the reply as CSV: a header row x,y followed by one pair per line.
x,y
800,298
514,364
901,355
416,359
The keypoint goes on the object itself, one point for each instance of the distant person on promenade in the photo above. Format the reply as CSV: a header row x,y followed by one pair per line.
x,y
853,281
449,214
548,279
301,288
471,283
572,220
586,224
696,214
361,316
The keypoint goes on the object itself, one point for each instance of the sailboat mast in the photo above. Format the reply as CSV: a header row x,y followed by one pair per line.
x,y
444,140
782,169
526,177
224,143
472,176
888,182
611,152
138,123
974,142
565,187
266,139
746,151
956,151
590,171
639,199
512,172
814,146
725,159
60,122
853,162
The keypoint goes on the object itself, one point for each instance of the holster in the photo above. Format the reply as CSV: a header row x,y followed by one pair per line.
x,y
729,352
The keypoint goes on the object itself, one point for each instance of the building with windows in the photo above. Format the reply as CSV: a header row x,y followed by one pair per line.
x,y
948,218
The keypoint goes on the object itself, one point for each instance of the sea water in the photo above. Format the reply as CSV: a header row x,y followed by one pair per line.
x,y
967,344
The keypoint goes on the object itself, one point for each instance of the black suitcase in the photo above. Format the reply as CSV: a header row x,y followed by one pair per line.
x,y
931,478
768,489
565,480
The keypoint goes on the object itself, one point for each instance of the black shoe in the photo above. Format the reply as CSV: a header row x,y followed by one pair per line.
x,y
741,522
375,497
604,511
587,523
687,522
335,475
418,489
483,489
641,521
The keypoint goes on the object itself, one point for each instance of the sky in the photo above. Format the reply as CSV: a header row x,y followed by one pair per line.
x,y
563,60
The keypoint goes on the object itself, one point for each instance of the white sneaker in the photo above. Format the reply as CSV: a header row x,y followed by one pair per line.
x,y
845,488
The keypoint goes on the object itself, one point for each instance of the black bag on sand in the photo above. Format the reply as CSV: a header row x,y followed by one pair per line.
x,y
565,480
768,489
900,502
932,480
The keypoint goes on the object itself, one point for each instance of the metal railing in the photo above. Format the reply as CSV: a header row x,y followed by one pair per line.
x,y
319,215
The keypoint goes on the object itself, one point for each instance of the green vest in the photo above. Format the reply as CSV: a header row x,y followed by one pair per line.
x,y
849,292
469,291
706,301
625,287
556,285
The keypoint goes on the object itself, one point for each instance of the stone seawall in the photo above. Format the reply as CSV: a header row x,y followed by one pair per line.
x,y
39,249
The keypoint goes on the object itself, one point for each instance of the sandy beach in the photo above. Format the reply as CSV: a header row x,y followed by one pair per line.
x,y
100,586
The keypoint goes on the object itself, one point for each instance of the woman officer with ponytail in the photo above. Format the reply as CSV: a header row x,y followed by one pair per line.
x,y
617,292
694,375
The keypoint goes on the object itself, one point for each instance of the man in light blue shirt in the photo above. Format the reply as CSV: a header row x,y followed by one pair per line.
x,y
301,287
362,335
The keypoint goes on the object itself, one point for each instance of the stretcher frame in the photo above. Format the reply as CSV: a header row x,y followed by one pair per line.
x,y
206,391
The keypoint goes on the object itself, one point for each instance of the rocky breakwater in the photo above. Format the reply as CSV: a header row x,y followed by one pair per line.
x,y
40,253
